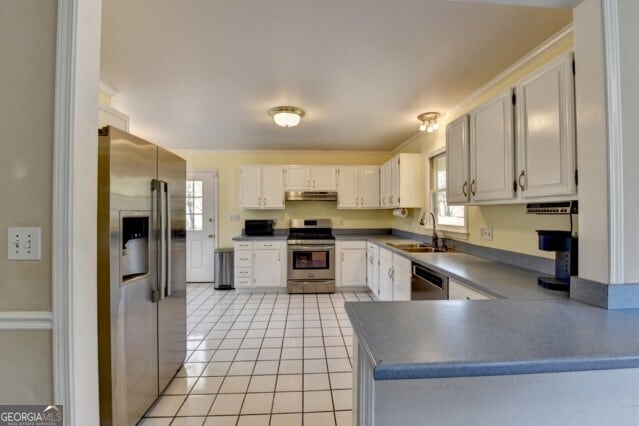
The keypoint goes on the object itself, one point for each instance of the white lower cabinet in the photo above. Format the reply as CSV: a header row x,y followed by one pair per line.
x,y
260,264
385,275
458,291
372,269
394,276
243,263
401,277
350,268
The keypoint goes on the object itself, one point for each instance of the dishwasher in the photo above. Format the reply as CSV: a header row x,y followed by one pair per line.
x,y
427,284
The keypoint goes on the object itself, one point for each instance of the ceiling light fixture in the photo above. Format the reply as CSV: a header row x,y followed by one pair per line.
x,y
429,121
286,116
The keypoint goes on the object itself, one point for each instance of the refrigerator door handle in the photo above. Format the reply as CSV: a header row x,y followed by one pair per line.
x,y
159,202
168,240
158,218
163,240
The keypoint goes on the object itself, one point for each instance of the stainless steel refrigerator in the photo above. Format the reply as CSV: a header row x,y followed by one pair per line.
x,y
141,273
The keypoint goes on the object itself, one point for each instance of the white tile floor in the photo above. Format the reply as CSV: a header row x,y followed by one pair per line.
x,y
262,359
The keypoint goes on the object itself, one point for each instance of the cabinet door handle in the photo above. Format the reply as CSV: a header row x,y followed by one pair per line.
x,y
473,187
521,175
464,188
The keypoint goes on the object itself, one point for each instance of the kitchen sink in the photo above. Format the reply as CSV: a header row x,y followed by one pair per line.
x,y
419,248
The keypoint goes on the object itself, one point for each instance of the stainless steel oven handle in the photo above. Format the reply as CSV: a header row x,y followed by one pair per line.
x,y
307,248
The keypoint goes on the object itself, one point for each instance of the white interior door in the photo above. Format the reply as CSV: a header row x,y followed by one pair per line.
x,y
201,225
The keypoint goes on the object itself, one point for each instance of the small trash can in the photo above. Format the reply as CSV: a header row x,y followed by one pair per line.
x,y
223,269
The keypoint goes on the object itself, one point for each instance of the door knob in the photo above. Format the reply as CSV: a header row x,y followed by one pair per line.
x,y
211,235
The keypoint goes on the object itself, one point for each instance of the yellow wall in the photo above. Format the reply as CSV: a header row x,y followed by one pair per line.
x,y
513,230
27,49
104,98
228,165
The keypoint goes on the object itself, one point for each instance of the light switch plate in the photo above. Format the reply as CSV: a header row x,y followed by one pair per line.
x,y
234,217
23,243
486,233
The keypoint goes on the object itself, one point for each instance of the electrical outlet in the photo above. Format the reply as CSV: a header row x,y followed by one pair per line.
x,y
234,217
486,233
23,244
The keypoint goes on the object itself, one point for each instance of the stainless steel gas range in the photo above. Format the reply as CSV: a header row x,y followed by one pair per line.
x,y
311,256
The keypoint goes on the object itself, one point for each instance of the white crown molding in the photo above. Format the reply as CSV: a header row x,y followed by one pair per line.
x,y
610,15
26,320
110,91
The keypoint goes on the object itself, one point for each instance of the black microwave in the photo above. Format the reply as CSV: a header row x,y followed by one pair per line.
x,y
257,227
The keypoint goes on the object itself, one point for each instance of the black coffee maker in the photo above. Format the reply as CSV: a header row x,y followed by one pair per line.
x,y
565,246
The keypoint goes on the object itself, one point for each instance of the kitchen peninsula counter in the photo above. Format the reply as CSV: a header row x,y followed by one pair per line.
x,y
494,362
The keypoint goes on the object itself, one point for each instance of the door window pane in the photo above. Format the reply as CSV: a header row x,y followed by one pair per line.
x,y
194,205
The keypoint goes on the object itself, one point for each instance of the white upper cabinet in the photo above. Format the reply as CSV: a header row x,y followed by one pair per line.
x,y
401,181
298,178
272,187
493,166
457,161
324,178
358,187
492,149
369,186
311,178
546,131
261,187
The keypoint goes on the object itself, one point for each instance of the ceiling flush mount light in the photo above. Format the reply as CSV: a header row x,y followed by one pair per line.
x,y
286,116
429,121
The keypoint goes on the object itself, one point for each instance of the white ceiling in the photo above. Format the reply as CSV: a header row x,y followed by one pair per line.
x,y
201,74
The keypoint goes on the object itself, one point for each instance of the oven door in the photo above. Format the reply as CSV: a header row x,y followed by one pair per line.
x,y
311,262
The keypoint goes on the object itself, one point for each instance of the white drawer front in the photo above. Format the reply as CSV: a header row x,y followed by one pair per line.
x,y
267,245
243,272
353,245
243,282
244,245
243,259
457,291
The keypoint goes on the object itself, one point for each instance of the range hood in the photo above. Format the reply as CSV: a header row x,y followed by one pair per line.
x,y
311,196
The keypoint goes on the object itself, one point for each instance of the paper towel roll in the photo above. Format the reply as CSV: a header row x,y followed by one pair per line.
x,y
400,212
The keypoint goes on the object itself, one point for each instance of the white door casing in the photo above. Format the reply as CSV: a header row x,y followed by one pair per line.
x,y
201,227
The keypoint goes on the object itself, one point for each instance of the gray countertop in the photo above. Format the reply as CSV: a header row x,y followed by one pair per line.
x,y
277,237
458,338
493,278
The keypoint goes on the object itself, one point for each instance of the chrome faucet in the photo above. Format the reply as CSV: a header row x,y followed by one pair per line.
x,y
435,237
